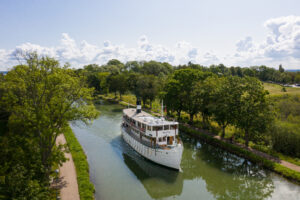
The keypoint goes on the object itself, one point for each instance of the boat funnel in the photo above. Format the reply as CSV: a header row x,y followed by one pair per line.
x,y
138,106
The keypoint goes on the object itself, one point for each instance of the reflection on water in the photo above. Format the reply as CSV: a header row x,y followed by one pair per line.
x,y
118,172
227,176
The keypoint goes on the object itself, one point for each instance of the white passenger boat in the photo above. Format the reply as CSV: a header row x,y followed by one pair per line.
x,y
154,138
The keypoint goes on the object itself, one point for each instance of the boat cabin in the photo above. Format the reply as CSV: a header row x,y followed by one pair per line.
x,y
154,130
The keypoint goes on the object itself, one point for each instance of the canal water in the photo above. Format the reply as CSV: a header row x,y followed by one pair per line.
x,y
119,173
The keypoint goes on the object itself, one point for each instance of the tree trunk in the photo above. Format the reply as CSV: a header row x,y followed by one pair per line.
x,y
204,121
191,118
246,138
178,115
223,131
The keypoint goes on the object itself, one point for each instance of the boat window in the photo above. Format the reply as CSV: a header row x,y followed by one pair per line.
x,y
173,127
166,127
160,139
149,128
164,138
143,126
158,128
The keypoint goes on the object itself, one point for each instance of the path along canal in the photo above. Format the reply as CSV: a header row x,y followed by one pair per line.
x,y
119,173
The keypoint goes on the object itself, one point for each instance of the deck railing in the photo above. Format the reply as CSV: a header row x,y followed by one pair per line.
x,y
137,138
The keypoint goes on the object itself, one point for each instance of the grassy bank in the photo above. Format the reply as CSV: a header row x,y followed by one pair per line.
x,y
284,171
85,186
276,89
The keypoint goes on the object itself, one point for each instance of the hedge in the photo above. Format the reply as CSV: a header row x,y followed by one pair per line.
x,y
85,186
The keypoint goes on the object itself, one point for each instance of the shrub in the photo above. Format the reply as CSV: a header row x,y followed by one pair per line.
x,y
85,187
286,139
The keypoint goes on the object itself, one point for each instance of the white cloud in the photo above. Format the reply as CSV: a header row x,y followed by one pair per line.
x,y
281,45
244,44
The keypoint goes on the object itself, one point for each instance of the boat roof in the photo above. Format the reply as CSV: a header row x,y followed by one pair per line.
x,y
147,118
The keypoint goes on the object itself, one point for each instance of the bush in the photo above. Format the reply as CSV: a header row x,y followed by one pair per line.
x,y
85,187
286,139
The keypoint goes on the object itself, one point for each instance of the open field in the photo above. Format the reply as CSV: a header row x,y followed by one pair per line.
x,y
276,89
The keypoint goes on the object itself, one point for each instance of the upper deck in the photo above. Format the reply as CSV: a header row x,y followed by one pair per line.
x,y
146,118
151,128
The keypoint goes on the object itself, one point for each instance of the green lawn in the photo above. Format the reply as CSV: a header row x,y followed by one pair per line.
x,y
276,89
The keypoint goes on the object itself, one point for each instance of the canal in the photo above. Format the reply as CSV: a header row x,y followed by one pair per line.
x,y
119,173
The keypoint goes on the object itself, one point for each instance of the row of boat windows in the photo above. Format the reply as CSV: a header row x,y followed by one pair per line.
x,y
154,128
160,139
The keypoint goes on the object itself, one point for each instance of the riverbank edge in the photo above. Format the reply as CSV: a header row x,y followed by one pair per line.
x,y
266,163
85,186
288,173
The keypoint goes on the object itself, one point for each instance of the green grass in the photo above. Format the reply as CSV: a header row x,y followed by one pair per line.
x,y
276,89
284,171
85,186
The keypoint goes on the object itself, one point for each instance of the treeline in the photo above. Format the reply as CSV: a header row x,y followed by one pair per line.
x,y
38,99
262,72
99,73
231,97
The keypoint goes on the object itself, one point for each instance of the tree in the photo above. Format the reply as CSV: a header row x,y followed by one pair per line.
x,y
281,70
133,66
179,96
147,88
172,96
227,96
297,78
103,84
255,110
156,68
42,98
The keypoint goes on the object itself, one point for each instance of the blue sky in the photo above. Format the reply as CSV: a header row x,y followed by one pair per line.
x,y
206,32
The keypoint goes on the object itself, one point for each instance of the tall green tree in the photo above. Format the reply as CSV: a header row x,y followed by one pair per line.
x,y
147,88
42,98
179,96
255,113
202,97
281,68
227,100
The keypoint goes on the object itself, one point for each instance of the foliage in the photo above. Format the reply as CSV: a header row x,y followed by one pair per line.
x,y
285,133
156,68
178,90
86,188
286,139
40,98
255,112
202,98
227,100
147,88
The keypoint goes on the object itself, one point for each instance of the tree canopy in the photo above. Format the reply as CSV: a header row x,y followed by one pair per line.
x,y
41,99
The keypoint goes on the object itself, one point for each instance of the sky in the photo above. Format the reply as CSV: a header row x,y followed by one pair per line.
x,y
232,32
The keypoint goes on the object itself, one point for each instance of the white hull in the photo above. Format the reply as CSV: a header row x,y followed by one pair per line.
x,y
167,157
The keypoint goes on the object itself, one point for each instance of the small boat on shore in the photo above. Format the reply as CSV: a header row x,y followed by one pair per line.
x,y
154,138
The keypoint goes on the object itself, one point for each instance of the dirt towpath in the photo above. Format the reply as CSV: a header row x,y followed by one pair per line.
x,y
68,175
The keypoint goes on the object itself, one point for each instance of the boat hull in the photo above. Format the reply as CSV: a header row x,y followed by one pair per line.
x,y
167,157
